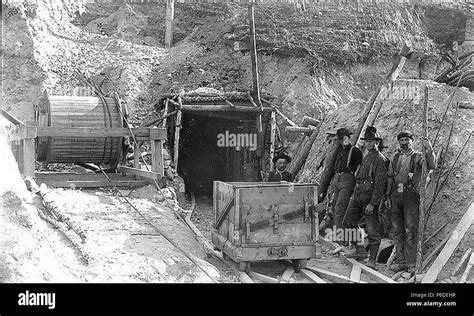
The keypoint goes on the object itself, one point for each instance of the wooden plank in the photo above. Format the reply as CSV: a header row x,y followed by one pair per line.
x,y
222,107
29,157
244,278
94,184
262,277
422,190
334,277
297,129
466,273
253,53
455,238
289,194
355,273
11,118
169,23
140,173
462,262
272,138
139,132
311,276
434,252
225,211
176,138
371,272
136,155
157,157
285,277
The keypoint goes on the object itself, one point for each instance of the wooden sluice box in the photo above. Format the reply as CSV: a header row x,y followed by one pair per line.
x,y
260,221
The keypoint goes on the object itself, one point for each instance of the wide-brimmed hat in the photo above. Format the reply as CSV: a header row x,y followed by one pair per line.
x,y
371,134
281,156
343,132
405,134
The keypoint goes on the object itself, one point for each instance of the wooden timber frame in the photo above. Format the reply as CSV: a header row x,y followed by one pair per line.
x,y
233,106
25,137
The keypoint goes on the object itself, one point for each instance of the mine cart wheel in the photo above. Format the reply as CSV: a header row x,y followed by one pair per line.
x,y
244,266
299,264
226,257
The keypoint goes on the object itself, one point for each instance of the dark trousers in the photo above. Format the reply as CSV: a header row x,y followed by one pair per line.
x,y
355,212
404,218
343,184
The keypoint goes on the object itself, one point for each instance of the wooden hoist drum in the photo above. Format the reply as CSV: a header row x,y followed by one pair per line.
x,y
79,111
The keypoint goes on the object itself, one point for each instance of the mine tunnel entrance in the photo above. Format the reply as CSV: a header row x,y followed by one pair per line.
x,y
218,146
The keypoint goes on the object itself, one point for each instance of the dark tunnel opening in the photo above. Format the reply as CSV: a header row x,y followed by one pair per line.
x,y
203,159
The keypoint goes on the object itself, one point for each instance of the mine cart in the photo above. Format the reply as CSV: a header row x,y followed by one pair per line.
x,y
260,221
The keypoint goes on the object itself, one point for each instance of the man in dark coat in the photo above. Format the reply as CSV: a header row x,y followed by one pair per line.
x,y
347,159
280,173
371,181
403,197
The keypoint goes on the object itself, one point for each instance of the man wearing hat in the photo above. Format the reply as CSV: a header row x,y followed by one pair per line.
x,y
403,196
371,181
347,159
280,161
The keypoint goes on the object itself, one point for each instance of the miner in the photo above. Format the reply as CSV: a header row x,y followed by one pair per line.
x,y
403,197
347,159
371,181
280,173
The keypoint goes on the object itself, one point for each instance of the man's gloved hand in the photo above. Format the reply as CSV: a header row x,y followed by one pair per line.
x,y
369,210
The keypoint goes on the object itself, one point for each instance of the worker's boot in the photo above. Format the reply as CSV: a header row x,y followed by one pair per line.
x,y
373,250
359,253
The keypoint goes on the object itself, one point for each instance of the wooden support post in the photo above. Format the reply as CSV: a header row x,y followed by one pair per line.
x,y
253,53
455,238
169,23
136,155
165,112
29,157
176,136
157,157
272,138
422,188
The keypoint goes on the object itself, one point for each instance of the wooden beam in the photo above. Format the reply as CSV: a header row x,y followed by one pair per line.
x,y
437,231
222,107
371,112
466,273
177,134
311,276
298,129
139,132
29,157
309,121
285,277
141,173
169,23
434,252
274,107
422,189
371,272
455,238
355,273
136,155
334,277
262,277
462,262
300,159
157,157
272,138
253,53
11,118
